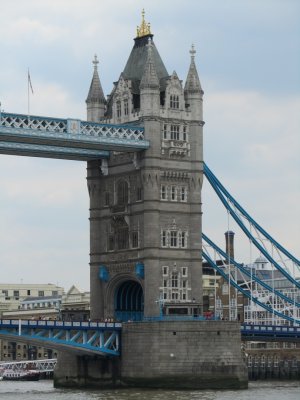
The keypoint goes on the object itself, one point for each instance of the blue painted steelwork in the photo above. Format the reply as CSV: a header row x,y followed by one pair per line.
x,y
140,270
69,133
129,302
89,337
269,332
35,150
246,292
103,273
216,183
244,271
224,196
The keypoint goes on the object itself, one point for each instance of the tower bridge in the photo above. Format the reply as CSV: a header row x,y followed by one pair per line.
x,y
144,150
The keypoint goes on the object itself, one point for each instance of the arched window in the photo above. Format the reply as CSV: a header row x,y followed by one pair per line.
x,y
122,193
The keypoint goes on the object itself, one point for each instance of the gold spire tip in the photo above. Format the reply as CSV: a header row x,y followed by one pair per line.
x,y
144,28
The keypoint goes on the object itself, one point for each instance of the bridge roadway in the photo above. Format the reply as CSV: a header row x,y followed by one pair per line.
x,y
104,338
70,139
101,338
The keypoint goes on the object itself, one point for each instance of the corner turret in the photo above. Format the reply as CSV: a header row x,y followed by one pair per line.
x,y
149,86
193,92
95,101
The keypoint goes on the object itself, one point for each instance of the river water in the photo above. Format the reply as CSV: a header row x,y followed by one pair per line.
x,y
43,390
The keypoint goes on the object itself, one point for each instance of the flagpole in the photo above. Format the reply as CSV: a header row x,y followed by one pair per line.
x,y
28,95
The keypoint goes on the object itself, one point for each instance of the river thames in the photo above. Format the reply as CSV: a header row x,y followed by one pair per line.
x,y
43,390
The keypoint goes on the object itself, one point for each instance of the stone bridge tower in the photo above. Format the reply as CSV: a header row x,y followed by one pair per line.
x,y
145,208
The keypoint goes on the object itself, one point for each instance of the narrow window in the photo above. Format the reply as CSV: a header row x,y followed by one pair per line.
x,y
174,132
165,270
122,193
106,199
139,194
164,239
173,193
176,101
165,283
183,240
165,132
173,239
135,239
126,107
163,192
111,242
118,109
183,193
174,280
122,238
184,271
184,133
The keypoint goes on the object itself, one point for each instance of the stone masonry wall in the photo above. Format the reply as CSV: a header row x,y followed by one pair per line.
x,y
194,354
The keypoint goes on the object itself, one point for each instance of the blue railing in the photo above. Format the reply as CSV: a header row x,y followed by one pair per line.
x,y
270,331
88,337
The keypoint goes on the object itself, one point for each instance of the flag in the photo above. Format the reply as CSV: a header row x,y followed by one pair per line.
x,y
29,82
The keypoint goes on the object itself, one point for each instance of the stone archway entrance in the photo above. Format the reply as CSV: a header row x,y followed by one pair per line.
x,y
129,301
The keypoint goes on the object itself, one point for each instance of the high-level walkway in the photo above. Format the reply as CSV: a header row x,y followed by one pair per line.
x,y
71,139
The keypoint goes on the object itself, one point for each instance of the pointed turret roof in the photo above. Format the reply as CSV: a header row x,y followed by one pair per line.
x,y
96,92
149,77
192,83
135,65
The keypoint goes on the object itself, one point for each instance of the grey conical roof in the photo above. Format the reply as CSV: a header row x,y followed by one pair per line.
x,y
135,65
192,83
149,77
96,92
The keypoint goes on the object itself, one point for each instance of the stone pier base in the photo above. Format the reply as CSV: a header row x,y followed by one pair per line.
x,y
164,354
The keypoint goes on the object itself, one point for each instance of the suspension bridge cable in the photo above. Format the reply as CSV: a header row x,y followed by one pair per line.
x,y
207,171
243,270
245,293
212,180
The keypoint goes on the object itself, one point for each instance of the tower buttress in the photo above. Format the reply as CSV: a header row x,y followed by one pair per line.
x,y
95,101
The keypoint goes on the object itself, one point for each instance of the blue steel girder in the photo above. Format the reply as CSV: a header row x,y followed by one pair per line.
x,y
84,337
270,332
65,153
70,133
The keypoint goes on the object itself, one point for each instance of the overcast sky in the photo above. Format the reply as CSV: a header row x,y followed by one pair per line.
x,y
248,60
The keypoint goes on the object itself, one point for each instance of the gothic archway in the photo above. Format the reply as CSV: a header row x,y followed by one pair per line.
x,y
129,301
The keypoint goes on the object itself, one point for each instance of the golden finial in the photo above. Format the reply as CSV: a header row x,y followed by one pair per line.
x,y
144,29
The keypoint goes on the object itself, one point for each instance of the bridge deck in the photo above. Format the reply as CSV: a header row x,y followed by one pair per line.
x,y
66,138
81,337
